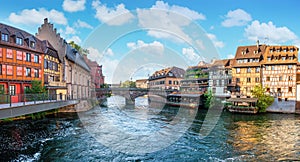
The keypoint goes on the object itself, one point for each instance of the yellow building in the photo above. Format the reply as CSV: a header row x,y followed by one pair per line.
x,y
246,68
141,83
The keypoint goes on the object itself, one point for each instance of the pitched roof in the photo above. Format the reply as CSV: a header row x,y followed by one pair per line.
x,y
170,72
12,31
74,56
253,51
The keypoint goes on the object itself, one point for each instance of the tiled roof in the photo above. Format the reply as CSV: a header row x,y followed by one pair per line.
x,y
176,73
253,51
27,37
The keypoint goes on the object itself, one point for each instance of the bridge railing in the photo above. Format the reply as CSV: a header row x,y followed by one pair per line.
x,y
32,98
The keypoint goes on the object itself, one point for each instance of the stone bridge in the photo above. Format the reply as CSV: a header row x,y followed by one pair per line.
x,y
131,94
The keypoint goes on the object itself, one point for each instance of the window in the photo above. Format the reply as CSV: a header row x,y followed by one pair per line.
x,y
268,78
248,80
290,66
238,80
291,57
272,67
28,57
283,57
12,90
50,65
290,89
9,70
19,71
170,81
238,70
280,78
249,70
291,50
269,58
290,77
257,69
32,44
36,58
28,72
36,73
257,79
271,50
19,41
46,64
4,37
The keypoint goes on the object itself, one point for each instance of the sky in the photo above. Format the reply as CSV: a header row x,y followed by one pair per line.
x,y
134,38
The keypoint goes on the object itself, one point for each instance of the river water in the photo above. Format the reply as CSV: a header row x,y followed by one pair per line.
x,y
90,136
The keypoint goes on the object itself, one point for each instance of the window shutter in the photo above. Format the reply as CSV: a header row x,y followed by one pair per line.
x,y
32,72
32,57
24,56
0,52
40,59
40,73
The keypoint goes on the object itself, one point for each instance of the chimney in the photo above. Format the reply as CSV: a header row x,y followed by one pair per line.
x,y
257,44
45,20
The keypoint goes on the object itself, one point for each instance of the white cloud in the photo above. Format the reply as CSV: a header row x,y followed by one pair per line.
x,y
73,5
70,30
230,56
190,54
215,41
112,16
268,31
193,15
74,38
82,24
155,47
109,65
170,20
237,17
36,17
109,52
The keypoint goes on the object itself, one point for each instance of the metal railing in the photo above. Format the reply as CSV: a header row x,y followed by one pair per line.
x,y
33,98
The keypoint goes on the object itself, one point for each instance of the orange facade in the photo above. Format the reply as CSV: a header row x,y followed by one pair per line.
x,y
21,61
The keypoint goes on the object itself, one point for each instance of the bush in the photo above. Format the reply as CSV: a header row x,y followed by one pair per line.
x,y
264,100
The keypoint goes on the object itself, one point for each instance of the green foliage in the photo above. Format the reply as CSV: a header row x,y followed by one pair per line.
x,y
264,100
36,87
79,48
128,84
104,85
208,99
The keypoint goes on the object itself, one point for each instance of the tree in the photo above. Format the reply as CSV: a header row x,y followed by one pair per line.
x,y
128,84
79,48
36,87
208,99
264,100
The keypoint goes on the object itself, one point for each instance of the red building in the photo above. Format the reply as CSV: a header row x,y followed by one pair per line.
x,y
21,61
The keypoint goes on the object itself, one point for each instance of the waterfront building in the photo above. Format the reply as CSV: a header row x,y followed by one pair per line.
x,y
196,79
21,61
141,83
56,49
220,77
52,68
246,68
74,72
77,73
96,72
166,79
279,71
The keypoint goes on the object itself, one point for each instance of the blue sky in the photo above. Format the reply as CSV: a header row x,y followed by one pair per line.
x,y
135,34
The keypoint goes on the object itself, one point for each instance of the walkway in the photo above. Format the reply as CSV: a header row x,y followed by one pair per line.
x,y
21,108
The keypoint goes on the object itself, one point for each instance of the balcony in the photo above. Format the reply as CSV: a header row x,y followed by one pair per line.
x,y
57,84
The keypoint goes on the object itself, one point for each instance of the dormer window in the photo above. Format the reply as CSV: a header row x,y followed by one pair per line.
x,y
4,37
32,44
278,50
292,50
271,50
255,51
19,41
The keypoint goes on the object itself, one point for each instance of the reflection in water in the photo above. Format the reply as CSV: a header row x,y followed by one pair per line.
x,y
236,137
